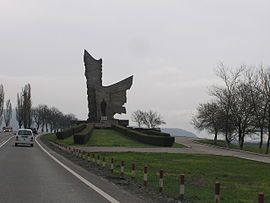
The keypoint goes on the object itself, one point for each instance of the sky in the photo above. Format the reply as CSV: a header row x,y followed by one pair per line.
x,y
172,47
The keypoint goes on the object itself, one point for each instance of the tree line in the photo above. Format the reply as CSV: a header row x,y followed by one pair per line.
x,y
42,117
240,108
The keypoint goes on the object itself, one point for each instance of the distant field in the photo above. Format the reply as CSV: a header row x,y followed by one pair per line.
x,y
107,138
252,147
240,179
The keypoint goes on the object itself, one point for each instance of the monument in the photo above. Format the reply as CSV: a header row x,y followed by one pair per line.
x,y
103,101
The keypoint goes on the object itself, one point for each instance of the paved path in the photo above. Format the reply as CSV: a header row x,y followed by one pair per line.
x,y
28,174
192,148
208,149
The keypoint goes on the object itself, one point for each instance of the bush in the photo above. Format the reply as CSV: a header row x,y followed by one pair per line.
x,y
70,131
83,136
145,129
155,133
145,138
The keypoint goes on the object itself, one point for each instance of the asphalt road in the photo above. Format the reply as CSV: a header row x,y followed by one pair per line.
x,y
28,174
4,136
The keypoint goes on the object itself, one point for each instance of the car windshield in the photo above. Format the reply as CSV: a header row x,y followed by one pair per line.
x,y
24,132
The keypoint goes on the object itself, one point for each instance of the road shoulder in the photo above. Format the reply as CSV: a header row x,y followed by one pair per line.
x,y
114,190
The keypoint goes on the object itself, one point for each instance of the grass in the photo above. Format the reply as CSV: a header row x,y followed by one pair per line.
x,y
111,138
107,138
241,180
251,147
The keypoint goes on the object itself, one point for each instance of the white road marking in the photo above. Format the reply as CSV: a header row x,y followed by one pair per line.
x,y
95,188
4,142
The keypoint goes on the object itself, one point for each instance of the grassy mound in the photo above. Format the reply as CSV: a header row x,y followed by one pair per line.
x,y
106,138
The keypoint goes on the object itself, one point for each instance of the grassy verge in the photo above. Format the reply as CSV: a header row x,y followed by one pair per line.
x,y
247,146
106,138
241,180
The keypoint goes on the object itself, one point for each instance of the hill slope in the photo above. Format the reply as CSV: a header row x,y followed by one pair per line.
x,y
178,132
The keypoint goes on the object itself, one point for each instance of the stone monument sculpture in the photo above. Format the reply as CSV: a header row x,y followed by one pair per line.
x,y
103,101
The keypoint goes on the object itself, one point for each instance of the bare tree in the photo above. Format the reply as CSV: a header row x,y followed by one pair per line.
x,y
242,111
245,103
152,119
137,117
209,117
67,120
51,118
55,117
36,114
2,98
44,116
8,113
224,95
260,100
265,90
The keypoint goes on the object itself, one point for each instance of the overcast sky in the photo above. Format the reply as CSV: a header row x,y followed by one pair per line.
x,y
171,47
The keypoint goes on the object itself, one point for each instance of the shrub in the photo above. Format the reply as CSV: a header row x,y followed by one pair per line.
x,y
70,131
145,138
83,136
155,133
145,129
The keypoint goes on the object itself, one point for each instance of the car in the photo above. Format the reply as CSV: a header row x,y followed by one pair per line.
x,y
7,129
25,137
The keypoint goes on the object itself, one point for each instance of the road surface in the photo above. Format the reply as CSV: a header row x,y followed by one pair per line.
x,y
28,174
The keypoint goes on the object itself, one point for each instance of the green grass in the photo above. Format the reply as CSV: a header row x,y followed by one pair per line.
x,y
247,146
177,145
241,180
111,138
107,138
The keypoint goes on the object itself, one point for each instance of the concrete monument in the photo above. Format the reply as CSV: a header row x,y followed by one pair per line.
x,y
103,101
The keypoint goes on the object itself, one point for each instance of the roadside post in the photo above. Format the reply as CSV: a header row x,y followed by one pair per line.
x,y
112,165
145,171
161,180
88,157
217,192
98,160
80,153
261,197
133,171
103,162
122,168
182,187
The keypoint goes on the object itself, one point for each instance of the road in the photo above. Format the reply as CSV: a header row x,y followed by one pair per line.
x,y
28,174
198,148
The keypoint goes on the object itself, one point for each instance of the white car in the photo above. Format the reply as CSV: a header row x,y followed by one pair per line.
x,y
24,136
